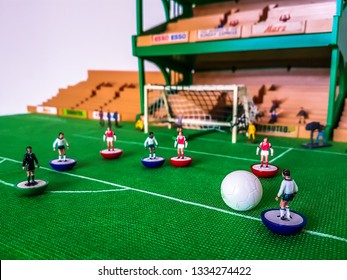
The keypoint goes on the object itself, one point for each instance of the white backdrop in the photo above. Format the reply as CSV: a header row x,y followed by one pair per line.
x,y
50,44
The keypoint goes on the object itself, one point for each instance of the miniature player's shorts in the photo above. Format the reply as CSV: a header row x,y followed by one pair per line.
x,y
288,197
29,167
151,146
264,153
109,139
180,146
61,147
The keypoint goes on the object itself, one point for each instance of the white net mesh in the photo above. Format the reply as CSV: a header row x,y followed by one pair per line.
x,y
197,106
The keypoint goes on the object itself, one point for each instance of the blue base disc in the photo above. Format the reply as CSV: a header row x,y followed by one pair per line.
x,y
63,165
153,162
273,222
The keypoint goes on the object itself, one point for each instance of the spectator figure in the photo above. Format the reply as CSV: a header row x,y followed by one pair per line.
x,y
275,105
115,116
259,115
109,119
179,122
321,134
302,114
101,116
273,116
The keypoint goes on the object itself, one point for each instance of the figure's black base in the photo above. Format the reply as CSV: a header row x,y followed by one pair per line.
x,y
315,145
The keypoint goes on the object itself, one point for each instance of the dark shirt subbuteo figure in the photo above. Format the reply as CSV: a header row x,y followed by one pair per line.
x,y
29,161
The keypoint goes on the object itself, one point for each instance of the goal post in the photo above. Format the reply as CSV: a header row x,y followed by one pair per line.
x,y
195,106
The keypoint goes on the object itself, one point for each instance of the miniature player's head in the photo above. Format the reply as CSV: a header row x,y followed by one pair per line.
x,y
108,128
286,173
265,139
151,134
29,149
180,133
61,135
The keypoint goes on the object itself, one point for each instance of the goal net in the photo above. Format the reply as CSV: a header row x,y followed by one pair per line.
x,y
196,106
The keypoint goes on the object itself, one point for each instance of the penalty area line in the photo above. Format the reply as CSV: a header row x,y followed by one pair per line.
x,y
281,155
186,202
6,183
171,149
97,191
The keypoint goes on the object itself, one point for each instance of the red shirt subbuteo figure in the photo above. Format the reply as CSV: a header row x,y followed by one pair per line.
x,y
265,147
181,143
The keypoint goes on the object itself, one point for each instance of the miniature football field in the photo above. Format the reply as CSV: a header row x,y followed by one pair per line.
x,y
118,209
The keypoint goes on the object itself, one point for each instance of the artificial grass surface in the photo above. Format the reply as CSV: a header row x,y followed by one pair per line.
x,y
118,209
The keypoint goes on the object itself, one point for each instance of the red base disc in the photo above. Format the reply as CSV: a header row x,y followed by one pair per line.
x,y
179,162
116,153
264,172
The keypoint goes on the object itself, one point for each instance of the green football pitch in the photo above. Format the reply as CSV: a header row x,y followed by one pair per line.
x,y
120,210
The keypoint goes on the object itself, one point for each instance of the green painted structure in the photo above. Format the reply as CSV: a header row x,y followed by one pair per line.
x,y
180,57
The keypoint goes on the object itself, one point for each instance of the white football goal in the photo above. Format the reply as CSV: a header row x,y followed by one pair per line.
x,y
196,106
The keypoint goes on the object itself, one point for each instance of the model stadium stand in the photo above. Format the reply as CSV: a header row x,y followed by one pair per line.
x,y
291,50
340,133
113,91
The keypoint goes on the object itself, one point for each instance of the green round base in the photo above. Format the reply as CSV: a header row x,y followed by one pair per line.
x,y
31,190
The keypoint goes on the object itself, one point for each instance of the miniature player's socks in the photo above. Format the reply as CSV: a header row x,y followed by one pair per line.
x,y
288,212
282,212
182,155
28,179
59,157
153,155
267,163
64,157
150,155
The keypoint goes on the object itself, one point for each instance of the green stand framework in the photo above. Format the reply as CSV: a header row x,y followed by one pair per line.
x,y
176,58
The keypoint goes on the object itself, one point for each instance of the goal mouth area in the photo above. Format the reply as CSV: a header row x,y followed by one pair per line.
x,y
201,107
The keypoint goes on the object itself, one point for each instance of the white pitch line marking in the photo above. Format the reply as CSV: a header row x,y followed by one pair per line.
x,y
281,155
228,142
6,183
167,148
97,191
184,201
